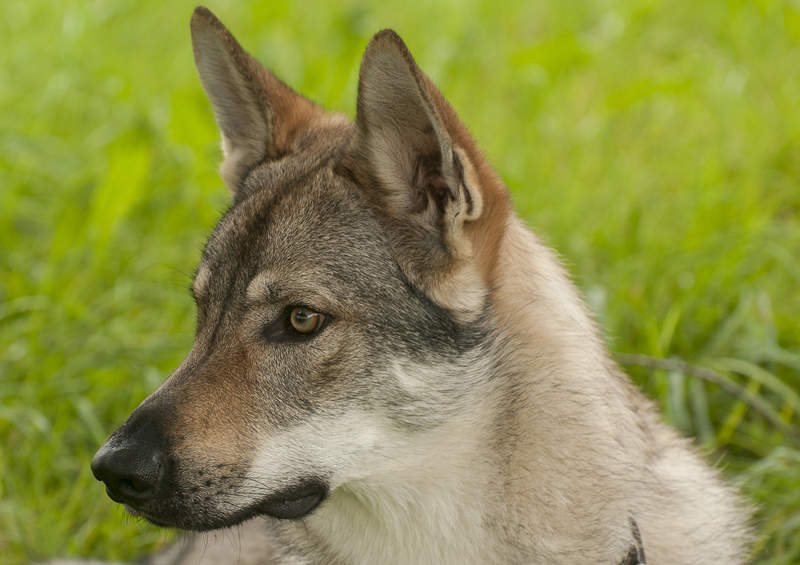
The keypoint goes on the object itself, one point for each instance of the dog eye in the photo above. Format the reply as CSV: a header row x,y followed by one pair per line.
x,y
296,323
305,320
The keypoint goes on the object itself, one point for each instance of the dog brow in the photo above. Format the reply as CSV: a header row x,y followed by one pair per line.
x,y
261,288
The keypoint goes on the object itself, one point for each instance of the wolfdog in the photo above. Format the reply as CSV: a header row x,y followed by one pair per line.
x,y
389,367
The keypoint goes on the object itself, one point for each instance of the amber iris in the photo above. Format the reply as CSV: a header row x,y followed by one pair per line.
x,y
304,320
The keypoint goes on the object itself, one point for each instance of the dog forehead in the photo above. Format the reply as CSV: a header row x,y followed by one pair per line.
x,y
317,216
319,221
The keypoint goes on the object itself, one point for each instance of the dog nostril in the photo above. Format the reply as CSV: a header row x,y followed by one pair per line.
x,y
133,488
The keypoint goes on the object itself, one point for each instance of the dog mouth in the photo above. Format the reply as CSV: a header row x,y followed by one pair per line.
x,y
291,503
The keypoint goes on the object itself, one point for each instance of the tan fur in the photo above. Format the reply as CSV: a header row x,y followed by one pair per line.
x,y
590,431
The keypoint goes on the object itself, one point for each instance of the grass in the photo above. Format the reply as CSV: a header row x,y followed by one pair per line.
x,y
655,144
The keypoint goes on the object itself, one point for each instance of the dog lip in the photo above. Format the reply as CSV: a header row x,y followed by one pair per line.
x,y
295,502
153,520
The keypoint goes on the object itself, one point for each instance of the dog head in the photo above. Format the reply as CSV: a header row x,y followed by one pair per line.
x,y
341,301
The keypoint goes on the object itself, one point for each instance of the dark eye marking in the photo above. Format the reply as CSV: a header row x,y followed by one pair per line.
x,y
296,323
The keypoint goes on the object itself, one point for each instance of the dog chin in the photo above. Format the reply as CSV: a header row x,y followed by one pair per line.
x,y
153,520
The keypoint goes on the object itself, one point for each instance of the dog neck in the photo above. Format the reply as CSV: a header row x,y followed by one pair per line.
x,y
427,506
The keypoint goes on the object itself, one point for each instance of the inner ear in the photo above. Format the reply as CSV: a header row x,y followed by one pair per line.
x,y
428,183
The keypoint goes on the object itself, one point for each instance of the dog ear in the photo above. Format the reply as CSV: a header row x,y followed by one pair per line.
x,y
258,115
446,207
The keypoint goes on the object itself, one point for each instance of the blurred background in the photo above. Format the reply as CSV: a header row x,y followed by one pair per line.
x,y
655,144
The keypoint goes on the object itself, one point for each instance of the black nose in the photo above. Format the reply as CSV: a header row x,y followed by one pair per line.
x,y
131,473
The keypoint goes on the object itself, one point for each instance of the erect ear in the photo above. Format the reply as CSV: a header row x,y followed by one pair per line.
x,y
445,206
259,116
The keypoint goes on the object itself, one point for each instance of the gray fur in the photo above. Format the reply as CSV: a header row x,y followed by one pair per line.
x,y
457,406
